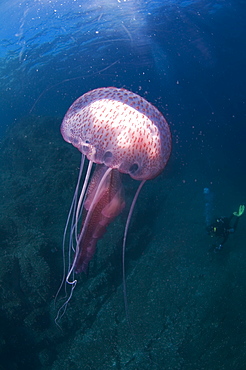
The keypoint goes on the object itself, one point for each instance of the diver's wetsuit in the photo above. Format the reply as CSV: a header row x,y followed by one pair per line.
x,y
221,229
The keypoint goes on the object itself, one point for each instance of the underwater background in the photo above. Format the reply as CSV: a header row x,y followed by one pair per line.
x,y
187,304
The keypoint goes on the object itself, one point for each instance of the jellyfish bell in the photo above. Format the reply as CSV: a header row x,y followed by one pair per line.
x,y
120,132
120,129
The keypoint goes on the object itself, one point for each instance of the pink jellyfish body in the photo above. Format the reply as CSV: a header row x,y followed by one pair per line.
x,y
120,132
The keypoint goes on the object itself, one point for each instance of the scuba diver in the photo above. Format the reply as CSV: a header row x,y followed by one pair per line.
x,y
222,228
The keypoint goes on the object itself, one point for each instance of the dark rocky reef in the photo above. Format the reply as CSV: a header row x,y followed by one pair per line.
x,y
185,304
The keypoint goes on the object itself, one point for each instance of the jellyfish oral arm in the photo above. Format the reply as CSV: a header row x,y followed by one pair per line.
x,y
104,201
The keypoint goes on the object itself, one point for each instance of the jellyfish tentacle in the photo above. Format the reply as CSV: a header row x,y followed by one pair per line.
x,y
62,310
78,207
124,249
82,195
70,217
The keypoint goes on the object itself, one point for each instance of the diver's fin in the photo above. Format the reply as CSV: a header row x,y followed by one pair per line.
x,y
240,211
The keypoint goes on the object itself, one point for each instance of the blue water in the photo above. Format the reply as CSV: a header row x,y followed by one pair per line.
x,y
172,47
186,305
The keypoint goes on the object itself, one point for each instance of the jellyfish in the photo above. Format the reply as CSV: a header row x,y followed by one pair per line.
x,y
119,132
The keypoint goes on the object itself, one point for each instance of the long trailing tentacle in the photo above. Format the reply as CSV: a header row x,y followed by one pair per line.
x,y
75,209
70,217
124,248
73,219
81,199
124,272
